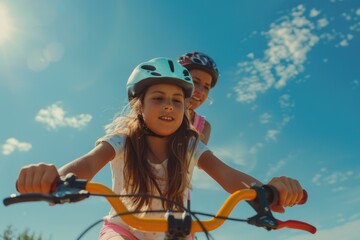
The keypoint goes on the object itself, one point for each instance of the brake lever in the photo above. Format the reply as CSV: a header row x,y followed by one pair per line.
x,y
264,217
294,224
70,189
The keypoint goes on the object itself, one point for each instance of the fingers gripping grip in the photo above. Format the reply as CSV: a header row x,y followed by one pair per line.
x,y
268,195
272,195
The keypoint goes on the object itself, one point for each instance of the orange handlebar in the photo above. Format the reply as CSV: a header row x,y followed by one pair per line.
x,y
71,190
161,224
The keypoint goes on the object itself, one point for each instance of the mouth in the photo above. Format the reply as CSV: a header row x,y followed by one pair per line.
x,y
166,118
196,99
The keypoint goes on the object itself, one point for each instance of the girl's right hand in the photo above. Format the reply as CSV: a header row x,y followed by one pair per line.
x,y
290,192
37,178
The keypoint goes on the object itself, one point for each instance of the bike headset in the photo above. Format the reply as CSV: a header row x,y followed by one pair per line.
x,y
156,71
202,61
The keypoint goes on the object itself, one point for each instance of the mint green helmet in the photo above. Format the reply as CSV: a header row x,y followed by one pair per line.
x,y
159,70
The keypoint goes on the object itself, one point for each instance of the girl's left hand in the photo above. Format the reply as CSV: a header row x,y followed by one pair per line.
x,y
290,192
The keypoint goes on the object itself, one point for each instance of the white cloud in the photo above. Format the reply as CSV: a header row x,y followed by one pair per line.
x,y
286,119
346,16
286,104
12,144
254,149
345,40
251,55
355,27
323,177
285,101
271,134
346,231
274,168
321,23
54,117
314,12
265,118
337,177
289,41
344,43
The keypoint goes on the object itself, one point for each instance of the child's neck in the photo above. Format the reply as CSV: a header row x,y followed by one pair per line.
x,y
157,149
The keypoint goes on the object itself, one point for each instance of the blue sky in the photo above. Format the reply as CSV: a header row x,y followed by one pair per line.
x,y
286,103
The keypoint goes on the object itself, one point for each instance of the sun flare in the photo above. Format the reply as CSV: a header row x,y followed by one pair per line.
x,y
6,25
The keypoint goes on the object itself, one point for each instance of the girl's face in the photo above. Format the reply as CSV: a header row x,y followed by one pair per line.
x,y
163,108
202,82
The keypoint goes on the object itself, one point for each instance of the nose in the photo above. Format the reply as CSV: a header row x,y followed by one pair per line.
x,y
200,87
168,108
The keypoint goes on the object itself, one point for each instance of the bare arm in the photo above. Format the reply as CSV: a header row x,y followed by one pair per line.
x,y
290,190
229,178
87,166
40,177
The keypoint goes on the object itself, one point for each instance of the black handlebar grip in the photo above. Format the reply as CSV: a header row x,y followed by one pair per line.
x,y
28,197
272,195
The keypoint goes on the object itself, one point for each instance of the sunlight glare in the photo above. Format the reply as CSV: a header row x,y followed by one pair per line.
x,y
6,25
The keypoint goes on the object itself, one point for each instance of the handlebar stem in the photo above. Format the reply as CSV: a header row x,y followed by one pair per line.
x,y
178,228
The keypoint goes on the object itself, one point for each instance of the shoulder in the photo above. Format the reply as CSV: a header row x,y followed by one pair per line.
x,y
200,148
207,126
205,134
117,141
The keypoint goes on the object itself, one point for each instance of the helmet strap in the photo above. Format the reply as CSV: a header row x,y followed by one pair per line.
x,y
148,131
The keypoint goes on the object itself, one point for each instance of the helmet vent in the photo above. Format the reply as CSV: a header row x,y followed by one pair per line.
x,y
155,74
197,61
171,64
148,67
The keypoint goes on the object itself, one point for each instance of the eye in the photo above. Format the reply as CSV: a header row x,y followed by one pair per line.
x,y
178,100
157,98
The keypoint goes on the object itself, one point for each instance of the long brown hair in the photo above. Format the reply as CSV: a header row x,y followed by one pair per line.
x,y
138,174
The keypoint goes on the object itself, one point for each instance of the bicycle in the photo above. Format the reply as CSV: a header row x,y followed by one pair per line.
x,y
71,189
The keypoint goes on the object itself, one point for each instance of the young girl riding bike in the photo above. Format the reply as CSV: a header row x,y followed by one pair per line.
x,y
152,149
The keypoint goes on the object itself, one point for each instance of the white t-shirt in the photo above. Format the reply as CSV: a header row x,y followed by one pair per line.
x,y
117,167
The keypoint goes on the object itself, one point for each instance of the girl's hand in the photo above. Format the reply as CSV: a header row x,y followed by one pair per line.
x,y
37,178
290,192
